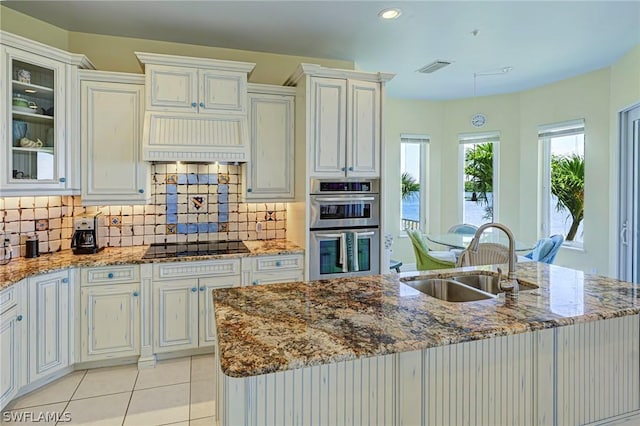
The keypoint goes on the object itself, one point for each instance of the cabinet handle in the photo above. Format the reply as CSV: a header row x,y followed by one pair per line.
x,y
194,289
19,318
350,168
249,190
193,104
65,280
278,263
201,104
343,169
201,288
135,294
141,191
63,180
110,275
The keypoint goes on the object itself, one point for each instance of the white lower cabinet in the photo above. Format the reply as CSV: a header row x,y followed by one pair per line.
x,y
183,314
272,269
110,321
109,312
48,324
175,315
13,345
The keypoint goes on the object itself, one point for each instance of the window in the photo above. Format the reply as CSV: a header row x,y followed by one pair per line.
x,y
479,154
413,170
562,204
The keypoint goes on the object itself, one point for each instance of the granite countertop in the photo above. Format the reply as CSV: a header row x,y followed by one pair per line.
x,y
280,327
21,268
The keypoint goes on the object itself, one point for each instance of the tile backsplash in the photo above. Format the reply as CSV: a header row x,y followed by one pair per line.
x,y
189,202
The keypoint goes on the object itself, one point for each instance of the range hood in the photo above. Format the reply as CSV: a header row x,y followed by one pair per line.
x,y
196,109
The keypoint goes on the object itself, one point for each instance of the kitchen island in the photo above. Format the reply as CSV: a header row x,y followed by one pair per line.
x,y
373,350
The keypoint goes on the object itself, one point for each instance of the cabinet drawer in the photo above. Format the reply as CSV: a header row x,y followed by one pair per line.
x,y
288,276
277,263
110,275
196,269
8,297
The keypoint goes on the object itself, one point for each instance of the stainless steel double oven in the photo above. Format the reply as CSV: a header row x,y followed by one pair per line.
x,y
344,228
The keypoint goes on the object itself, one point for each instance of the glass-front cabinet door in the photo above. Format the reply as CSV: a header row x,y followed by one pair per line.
x,y
35,146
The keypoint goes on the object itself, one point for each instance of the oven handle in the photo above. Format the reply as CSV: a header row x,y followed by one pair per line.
x,y
360,234
329,235
345,199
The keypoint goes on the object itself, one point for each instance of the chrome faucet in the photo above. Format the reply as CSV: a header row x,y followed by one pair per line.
x,y
512,290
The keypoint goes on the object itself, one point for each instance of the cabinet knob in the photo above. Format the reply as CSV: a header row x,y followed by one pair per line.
x,y
249,190
350,168
201,288
135,294
63,180
65,280
141,191
110,275
194,289
278,263
343,169
201,104
193,104
19,318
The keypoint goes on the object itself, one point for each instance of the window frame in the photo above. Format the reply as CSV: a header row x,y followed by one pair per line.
x,y
424,141
472,138
546,133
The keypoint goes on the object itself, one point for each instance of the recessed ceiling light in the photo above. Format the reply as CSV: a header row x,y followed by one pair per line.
x,y
392,13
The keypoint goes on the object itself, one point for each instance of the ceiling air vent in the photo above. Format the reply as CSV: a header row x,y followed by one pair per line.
x,y
433,66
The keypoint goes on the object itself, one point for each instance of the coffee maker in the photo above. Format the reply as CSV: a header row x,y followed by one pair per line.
x,y
88,235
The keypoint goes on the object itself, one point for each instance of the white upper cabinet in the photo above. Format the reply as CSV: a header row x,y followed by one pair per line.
x,y
172,88
271,130
343,120
196,109
346,128
196,90
222,91
329,127
363,129
39,150
111,117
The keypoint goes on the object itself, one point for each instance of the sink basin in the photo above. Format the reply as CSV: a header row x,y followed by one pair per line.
x,y
447,290
489,283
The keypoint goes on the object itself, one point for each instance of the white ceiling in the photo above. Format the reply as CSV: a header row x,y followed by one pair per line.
x,y
544,41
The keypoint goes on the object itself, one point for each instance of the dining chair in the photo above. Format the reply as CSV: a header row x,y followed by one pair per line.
x,y
486,254
546,249
463,228
428,259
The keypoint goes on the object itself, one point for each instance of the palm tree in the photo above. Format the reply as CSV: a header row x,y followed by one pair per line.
x,y
479,167
410,188
567,184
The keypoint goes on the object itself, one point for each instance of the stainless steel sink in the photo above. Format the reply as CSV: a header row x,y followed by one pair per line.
x,y
448,290
489,283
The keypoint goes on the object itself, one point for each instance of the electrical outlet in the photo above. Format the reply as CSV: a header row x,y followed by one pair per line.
x,y
258,226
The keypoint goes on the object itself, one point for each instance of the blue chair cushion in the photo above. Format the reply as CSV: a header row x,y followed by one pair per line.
x,y
543,248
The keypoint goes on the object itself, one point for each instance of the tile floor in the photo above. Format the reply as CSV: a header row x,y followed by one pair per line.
x,y
176,392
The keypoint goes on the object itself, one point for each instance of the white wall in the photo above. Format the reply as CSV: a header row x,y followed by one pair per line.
x,y
596,96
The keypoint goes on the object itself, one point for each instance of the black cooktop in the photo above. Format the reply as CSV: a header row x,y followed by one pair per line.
x,y
200,248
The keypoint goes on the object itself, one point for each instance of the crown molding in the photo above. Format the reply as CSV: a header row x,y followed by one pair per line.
x,y
316,70
110,76
271,89
189,61
37,48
